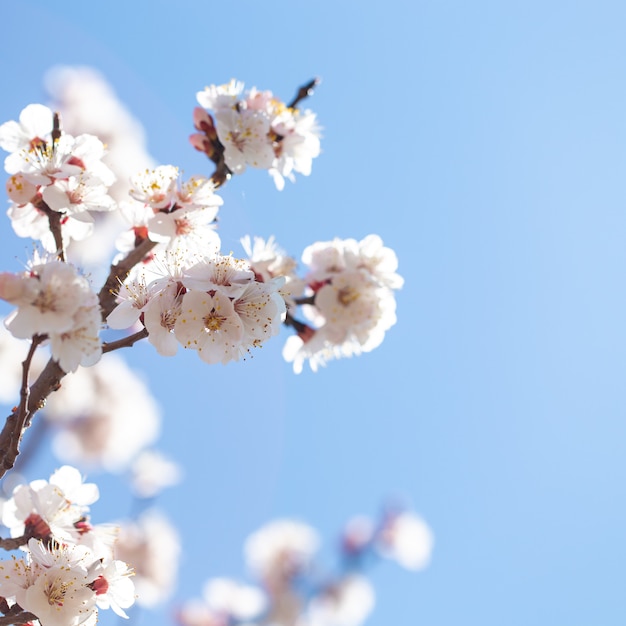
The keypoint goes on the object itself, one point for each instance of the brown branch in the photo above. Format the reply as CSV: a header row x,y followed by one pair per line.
x,y
118,274
54,221
126,342
14,543
56,128
304,92
305,300
32,400
21,617
298,326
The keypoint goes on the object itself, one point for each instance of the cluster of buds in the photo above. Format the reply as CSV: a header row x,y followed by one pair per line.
x,y
69,571
255,128
291,589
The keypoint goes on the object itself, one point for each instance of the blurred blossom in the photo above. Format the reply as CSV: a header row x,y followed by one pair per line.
x,y
280,550
152,472
346,603
406,538
105,415
230,598
151,546
358,534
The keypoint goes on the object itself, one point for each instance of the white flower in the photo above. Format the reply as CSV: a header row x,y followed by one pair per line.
x,y
346,603
50,509
407,539
104,415
81,345
245,136
160,316
231,599
220,97
53,293
152,548
261,309
193,227
54,584
156,188
78,195
210,325
152,472
230,276
282,548
113,586
34,127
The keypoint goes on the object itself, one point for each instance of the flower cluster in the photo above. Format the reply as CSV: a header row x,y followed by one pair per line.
x,y
292,591
69,571
171,212
53,176
214,305
255,128
55,301
349,301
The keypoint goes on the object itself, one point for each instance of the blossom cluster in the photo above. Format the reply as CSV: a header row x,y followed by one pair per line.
x,y
53,173
55,301
212,304
69,571
292,592
255,128
347,296
171,212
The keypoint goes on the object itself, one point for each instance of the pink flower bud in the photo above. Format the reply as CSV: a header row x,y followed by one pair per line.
x,y
12,287
20,190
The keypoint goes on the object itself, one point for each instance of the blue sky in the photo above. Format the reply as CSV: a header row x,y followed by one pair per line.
x,y
486,143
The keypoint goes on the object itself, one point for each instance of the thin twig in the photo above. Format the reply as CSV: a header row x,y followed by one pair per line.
x,y
118,274
304,92
126,342
305,300
298,326
32,400
15,542
23,617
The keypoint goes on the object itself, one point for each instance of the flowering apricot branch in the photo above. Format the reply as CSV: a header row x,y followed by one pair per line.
x,y
169,283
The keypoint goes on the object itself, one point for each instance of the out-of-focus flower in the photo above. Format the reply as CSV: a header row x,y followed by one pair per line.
x,y
151,547
105,415
152,472
281,549
234,600
406,538
345,603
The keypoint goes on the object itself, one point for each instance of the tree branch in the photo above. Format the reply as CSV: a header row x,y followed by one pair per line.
x,y
14,543
31,401
20,617
304,92
126,342
118,274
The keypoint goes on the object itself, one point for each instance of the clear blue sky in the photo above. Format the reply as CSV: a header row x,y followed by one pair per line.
x,y
486,143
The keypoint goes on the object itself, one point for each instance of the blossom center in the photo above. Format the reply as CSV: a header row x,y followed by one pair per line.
x,y
347,295
213,322
55,591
